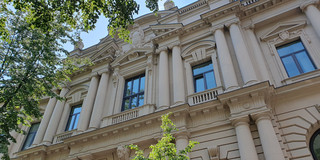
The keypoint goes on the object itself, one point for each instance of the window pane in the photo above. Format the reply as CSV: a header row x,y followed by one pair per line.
x,y
199,84
70,126
135,86
134,102
141,98
128,89
142,83
316,146
305,62
76,119
126,104
30,136
210,80
202,68
77,110
290,66
290,48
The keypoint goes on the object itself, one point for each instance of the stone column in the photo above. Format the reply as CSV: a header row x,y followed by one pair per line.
x,y
246,145
55,118
258,54
163,88
246,67
88,104
189,78
227,68
270,144
45,121
178,77
64,118
182,141
100,100
313,13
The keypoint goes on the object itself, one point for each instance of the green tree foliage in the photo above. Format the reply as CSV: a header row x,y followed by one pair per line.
x,y
165,149
30,68
32,33
81,14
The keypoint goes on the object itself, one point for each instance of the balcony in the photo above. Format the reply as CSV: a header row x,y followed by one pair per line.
x,y
205,96
248,2
62,136
128,115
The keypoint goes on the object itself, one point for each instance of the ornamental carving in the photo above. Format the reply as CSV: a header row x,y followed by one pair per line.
x,y
137,37
133,56
123,153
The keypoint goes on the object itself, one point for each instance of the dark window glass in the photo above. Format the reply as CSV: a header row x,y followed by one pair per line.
x,y
73,118
133,93
315,145
203,76
30,136
295,58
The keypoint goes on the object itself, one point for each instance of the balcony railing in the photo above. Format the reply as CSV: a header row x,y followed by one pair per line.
x,y
60,137
205,96
128,115
125,116
248,2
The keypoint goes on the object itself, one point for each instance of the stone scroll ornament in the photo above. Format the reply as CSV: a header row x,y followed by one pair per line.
x,y
123,153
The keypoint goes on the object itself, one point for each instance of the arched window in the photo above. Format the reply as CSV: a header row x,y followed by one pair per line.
x,y
315,145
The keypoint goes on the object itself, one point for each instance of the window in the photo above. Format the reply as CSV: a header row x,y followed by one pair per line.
x,y
73,118
30,136
203,77
295,58
315,145
133,93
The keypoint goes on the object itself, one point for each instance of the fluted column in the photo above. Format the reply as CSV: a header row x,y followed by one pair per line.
x,y
246,145
227,68
182,141
100,100
242,54
313,14
258,54
178,77
55,118
270,144
163,88
45,121
88,104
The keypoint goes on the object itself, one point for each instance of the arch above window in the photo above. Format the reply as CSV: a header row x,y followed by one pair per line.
x,y
315,145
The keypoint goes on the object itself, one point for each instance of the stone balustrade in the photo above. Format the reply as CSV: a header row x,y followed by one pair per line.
x,y
248,2
205,96
60,137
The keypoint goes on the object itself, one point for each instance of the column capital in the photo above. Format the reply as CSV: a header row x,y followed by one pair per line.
x,y
240,121
171,45
94,74
260,116
182,135
162,48
214,28
231,22
304,5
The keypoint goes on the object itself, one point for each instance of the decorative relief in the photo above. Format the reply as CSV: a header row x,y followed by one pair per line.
x,y
115,76
199,54
123,153
133,56
214,152
284,35
137,37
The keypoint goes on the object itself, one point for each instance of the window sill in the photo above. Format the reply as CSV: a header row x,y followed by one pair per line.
x,y
204,96
301,77
128,115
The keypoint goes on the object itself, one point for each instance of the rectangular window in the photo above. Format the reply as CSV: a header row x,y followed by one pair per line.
x,y
203,77
133,93
73,118
295,58
30,136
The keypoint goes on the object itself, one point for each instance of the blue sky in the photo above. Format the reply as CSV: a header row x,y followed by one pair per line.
x,y
93,37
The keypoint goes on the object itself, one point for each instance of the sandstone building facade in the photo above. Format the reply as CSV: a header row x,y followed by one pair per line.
x,y
240,77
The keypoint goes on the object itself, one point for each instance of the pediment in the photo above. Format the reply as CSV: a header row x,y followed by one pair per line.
x,y
282,27
131,55
160,29
106,52
198,50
